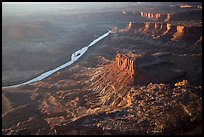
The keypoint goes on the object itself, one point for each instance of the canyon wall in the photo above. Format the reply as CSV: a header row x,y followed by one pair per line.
x,y
128,28
185,6
156,16
165,31
153,16
167,17
125,63
168,27
179,33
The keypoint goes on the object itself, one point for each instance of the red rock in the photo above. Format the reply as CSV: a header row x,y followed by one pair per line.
x,y
125,63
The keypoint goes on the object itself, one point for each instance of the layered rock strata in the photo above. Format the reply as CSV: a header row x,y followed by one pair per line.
x,y
156,16
164,31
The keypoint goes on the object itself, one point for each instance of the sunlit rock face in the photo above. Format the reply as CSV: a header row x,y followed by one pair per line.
x,y
179,33
129,25
146,27
167,18
185,6
199,41
128,28
164,31
168,27
105,89
125,63
156,16
153,16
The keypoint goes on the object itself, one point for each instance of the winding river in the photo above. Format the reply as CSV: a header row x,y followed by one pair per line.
x,y
75,56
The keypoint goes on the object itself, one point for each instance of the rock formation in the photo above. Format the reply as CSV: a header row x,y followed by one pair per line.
x,y
164,30
125,63
129,25
146,27
185,6
156,16
168,27
153,16
124,30
179,33
167,17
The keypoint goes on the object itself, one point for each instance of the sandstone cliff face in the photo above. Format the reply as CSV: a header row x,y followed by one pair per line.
x,y
179,33
129,25
153,16
125,63
168,27
157,27
128,28
167,17
185,6
164,31
146,27
156,16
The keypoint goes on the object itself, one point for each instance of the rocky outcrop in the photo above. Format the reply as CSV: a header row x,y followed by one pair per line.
x,y
128,28
164,31
156,16
179,33
168,27
146,27
185,6
129,25
158,28
167,17
153,16
181,16
125,63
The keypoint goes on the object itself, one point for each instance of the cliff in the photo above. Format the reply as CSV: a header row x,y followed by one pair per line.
x,y
181,16
156,16
128,28
167,17
179,33
165,31
125,63
153,16
185,6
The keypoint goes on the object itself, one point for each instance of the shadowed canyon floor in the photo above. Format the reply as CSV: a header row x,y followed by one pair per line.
x,y
143,79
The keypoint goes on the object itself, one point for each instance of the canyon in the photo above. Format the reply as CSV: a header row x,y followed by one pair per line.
x,y
106,97
143,78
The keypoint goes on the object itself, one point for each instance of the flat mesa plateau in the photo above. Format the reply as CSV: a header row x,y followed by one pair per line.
x,y
144,78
